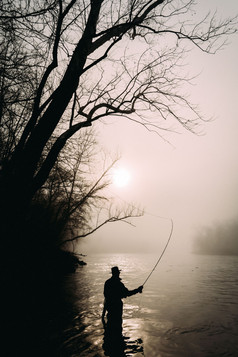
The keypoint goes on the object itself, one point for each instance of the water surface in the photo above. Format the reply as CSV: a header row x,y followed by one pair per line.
x,y
189,307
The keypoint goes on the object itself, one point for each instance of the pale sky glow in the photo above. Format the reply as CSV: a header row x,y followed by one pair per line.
x,y
194,180
121,177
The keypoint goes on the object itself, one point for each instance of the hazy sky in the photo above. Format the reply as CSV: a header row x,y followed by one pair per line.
x,y
194,180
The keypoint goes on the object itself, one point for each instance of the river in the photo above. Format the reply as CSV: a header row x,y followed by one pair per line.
x,y
189,307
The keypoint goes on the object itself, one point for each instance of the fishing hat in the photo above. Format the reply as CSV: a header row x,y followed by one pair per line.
x,y
115,270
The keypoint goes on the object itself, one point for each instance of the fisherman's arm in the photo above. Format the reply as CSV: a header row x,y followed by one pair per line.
x,y
133,292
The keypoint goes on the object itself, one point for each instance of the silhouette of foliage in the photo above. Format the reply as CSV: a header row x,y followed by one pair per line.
x,y
66,65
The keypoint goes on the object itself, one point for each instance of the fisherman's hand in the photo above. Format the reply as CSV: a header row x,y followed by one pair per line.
x,y
140,289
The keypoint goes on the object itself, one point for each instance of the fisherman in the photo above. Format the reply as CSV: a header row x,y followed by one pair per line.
x,y
114,291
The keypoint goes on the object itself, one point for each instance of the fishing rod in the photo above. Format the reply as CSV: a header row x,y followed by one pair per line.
x,y
170,235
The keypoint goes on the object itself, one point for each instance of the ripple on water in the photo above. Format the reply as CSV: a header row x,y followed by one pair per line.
x,y
187,310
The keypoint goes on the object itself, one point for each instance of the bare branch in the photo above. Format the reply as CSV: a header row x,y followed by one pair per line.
x,y
123,219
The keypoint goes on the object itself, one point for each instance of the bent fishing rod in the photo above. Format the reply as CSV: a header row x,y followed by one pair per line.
x,y
161,255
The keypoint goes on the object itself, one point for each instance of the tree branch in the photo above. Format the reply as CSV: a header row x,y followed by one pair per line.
x,y
109,220
50,160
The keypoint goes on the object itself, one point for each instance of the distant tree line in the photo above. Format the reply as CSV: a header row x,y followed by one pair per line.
x,y
221,238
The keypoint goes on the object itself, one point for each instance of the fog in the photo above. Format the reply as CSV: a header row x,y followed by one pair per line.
x,y
187,178
220,238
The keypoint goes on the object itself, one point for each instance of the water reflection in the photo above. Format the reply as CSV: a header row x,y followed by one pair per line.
x,y
115,344
185,312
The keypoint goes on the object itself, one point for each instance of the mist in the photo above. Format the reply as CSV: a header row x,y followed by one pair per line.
x,y
191,179
220,238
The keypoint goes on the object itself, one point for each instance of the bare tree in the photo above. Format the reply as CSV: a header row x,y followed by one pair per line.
x,y
80,62
72,203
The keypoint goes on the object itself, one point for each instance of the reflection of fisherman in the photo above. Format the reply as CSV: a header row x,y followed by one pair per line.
x,y
114,291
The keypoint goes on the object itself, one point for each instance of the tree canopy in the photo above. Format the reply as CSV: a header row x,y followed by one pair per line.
x,y
66,65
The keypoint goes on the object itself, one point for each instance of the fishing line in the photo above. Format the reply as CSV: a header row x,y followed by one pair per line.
x,y
170,235
160,257
166,245
136,208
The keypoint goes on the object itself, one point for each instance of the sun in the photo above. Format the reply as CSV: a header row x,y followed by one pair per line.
x,y
121,177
